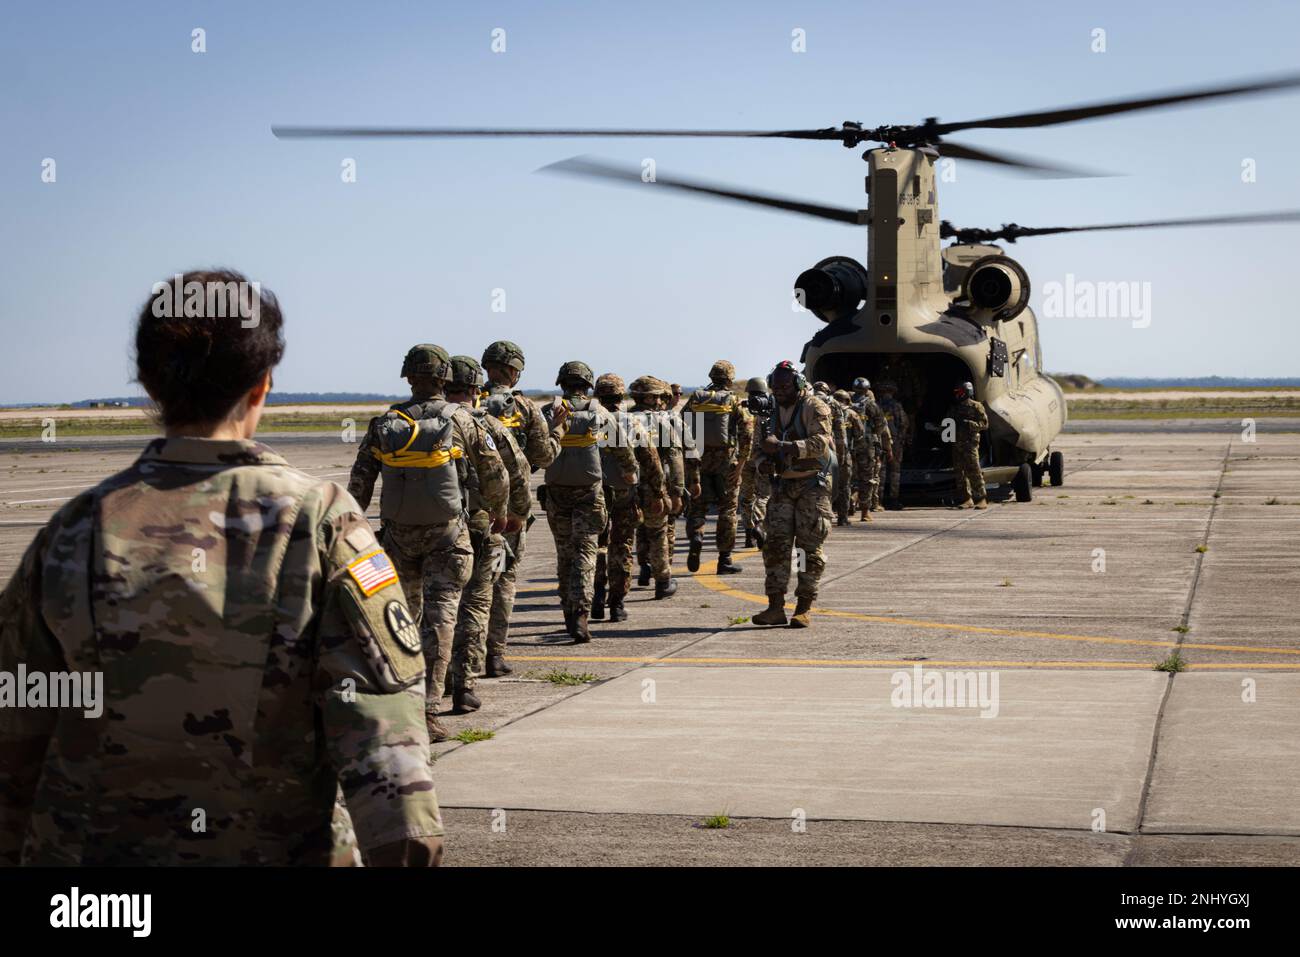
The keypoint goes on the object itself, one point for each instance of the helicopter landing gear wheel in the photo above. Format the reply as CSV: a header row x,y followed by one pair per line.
x,y
1023,484
1037,469
1056,469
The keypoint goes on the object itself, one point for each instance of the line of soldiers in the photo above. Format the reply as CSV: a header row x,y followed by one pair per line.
x,y
621,465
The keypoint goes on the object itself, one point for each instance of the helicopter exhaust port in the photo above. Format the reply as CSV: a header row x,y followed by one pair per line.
x,y
834,288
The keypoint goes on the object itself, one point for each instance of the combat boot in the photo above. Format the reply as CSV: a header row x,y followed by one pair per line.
x,y
616,610
775,614
568,621
693,557
496,667
598,604
866,515
436,731
842,519
966,504
758,538
982,504
749,538
666,588
643,578
580,633
726,566
465,701
801,618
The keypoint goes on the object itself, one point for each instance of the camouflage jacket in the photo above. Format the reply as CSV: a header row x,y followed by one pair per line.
x,y
254,652
665,430
635,431
856,430
897,421
539,446
971,420
489,477
812,435
516,465
875,420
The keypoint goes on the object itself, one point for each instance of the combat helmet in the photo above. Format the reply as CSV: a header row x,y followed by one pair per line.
x,y
427,359
862,382
576,370
756,386
610,385
821,388
466,372
842,396
505,352
722,370
648,385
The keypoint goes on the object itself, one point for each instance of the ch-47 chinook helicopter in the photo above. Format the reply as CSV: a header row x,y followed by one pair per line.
x,y
923,316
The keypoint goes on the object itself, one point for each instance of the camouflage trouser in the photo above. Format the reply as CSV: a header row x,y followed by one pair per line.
x,y
432,576
576,514
753,499
654,540
503,596
617,542
469,649
895,475
868,475
966,468
798,516
843,488
715,487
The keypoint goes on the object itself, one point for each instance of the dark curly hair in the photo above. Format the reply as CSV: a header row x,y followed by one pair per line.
x,y
199,349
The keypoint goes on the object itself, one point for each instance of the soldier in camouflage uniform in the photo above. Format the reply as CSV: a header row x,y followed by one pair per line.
x,y
253,651
969,420
575,500
880,446
714,466
626,504
900,433
753,499
469,647
503,361
654,537
796,457
857,439
676,428
431,452
842,471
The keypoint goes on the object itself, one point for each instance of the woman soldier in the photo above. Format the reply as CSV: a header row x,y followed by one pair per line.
x,y
239,638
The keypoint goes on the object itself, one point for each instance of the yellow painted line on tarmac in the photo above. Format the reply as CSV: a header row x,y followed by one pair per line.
x,y
711,581
888,663
708,577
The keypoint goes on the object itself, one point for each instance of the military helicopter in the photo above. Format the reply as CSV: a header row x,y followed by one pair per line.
x,y
923,316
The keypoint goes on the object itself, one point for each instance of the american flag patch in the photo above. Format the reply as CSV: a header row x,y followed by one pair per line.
x,y
372,572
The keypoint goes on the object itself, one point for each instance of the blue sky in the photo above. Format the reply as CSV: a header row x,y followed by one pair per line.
x,y
165,161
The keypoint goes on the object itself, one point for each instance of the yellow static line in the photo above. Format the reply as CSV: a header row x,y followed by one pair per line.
x,y
883,662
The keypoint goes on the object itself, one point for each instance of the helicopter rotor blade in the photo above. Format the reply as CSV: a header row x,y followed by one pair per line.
x,y
1011,231
588,168
1018,162
469,132
1089,111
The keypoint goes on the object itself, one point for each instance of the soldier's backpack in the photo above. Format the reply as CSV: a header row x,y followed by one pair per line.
x,y
425,473
505,406
579,460
628,426
715,407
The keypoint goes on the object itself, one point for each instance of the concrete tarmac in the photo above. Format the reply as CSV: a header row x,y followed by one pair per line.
x,y
1162,540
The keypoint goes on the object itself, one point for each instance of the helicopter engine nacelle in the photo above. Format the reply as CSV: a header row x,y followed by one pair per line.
x,y
997,287
834,288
